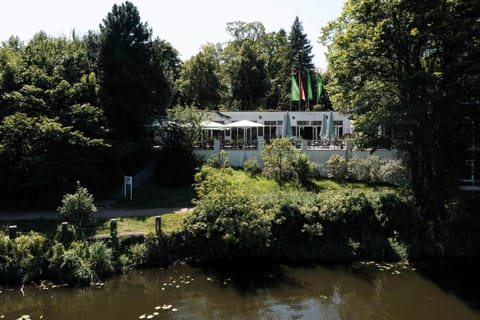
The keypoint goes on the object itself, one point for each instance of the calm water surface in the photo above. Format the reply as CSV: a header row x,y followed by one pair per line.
x,y
252,292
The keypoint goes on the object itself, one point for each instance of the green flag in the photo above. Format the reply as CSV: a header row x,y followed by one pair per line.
x,y
309,87
295,90
319,87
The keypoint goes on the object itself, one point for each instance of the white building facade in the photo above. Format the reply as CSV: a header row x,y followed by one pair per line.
x,y
305,124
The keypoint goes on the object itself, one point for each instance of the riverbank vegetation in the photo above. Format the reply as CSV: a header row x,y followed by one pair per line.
x,y
238,215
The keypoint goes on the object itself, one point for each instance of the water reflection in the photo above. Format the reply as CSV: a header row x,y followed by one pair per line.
x,y
247,291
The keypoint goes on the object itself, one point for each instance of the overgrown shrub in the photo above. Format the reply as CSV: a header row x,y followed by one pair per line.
x,y
370,170
75,267
77,208
357,170
81,263
22,259
226,220
100,259
305,169
278,158
337,168
250,166
220,160
284,163
138,254
393,172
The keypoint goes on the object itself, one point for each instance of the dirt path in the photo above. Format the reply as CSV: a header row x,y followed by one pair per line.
x,y
105,213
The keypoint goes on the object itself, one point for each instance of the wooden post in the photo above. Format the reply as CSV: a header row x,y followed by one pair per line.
x,y
64,230
12,232
113,227
158,225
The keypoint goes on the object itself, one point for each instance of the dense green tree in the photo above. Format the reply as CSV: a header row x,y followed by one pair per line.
x,y
245,65
51,127
167,58
407,70
183,126
300,51
199,82
133,83
40,158
248,78
275,48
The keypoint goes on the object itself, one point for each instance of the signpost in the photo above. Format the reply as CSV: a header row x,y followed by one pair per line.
x,y
128,187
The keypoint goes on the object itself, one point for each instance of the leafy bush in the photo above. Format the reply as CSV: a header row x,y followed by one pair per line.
x,y
226,220
305,169
283,163
138,254
374,170
77,208
82,263
100,259
393,172
278,158
337,168
75,267
23,258
220,160
357,170
250,166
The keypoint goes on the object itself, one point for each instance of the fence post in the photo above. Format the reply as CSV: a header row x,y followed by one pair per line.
x,y
64,230
12,232
113,227
158,225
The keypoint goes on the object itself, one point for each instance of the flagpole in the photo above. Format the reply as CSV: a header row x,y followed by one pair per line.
x,y
308,90
300,90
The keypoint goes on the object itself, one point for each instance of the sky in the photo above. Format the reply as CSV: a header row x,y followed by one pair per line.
x,y
186,24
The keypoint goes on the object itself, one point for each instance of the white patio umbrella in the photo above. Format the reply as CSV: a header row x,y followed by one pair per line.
x,y
212,125
244,124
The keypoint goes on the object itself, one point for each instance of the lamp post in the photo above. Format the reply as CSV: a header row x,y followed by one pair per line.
x,y
279,87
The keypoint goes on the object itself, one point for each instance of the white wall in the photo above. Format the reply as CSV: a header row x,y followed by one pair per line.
x,y
320,157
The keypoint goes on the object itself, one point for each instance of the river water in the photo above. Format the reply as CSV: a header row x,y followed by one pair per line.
x,y
362,291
